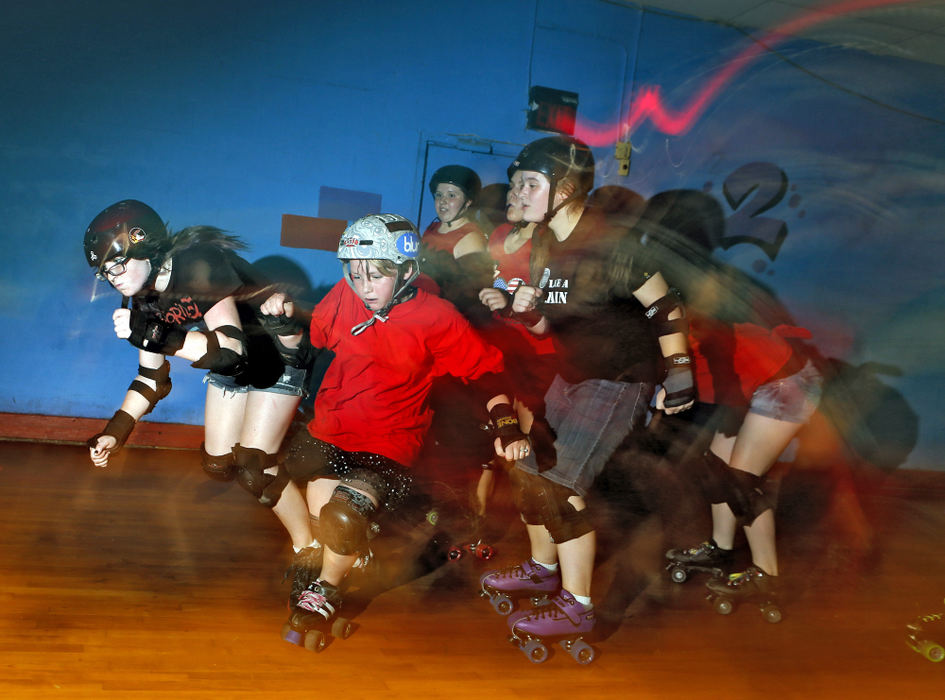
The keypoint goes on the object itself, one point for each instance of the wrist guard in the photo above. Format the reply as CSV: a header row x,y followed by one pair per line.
x,y
280,325
119,427
529,319
679,385
505,424
162,380
155,335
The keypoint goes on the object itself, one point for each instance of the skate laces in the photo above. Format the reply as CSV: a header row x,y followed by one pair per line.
x,y
315,599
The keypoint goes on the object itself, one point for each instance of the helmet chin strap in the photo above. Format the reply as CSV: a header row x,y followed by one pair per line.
x,y
459,214
404,293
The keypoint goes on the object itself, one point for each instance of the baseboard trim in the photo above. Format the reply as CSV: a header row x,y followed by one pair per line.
x,y
75,431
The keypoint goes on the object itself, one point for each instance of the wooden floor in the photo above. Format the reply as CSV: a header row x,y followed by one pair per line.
x,y
145,580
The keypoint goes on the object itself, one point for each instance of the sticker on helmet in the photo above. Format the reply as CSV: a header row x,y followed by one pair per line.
x,y
136,235
408,244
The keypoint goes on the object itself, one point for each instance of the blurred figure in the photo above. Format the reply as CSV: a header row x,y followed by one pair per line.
x,y
193,297
589,291
754,364
453,250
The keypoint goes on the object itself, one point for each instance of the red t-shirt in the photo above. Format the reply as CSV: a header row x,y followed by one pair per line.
x,y
374,394
434,240
730,361
513,267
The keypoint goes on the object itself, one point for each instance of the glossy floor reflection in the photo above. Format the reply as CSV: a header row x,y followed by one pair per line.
x,y
145,580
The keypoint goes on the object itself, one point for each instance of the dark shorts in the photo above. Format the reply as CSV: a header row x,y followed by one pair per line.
x,y
792,399
590,420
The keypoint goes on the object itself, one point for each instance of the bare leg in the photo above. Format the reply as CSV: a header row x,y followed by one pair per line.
x,y
544,551
267,418
223,420
723,519
759,442
577,558
336,566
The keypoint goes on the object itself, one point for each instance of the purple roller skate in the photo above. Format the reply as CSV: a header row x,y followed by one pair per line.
x,y
527,579
562,619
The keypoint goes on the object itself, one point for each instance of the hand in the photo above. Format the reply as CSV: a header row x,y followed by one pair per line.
x,y
494,299
277,305
515,450
102,450
122,320
526,299
660,405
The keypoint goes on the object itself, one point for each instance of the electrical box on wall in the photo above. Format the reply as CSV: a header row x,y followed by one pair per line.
x,y
551,110
622,152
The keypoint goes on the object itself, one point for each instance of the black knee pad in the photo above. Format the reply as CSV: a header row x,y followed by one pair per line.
x,y
750,495
251,464
712,475
544,502
344,521
218,467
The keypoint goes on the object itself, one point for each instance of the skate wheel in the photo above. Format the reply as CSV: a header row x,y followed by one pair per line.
x,y
723,606
503,605
455,553
536,652
678,574
772,613
315,640
485,552
580,651
342,628
290,635
932,651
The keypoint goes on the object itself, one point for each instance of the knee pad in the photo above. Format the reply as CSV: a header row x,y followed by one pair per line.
x,y
219,467
344,521
712,474
750,497
543,502
251,464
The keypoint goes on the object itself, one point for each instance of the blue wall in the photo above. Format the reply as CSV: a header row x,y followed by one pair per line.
x,y
232,114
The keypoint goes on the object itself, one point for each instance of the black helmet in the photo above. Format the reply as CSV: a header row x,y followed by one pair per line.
x,y
128,228
558,157
464,178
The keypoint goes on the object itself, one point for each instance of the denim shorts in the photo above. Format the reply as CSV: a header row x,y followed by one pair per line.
x,y
793,399
590,420
291,383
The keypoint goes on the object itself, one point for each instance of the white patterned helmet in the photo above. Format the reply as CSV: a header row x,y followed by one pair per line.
x,y
380,237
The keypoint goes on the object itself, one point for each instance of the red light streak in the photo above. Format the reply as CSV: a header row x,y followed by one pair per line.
x,y
648,102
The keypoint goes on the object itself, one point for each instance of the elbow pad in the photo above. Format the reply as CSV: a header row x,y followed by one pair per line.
x,y
223,360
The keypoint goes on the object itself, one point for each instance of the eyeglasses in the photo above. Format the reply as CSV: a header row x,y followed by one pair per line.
x,y
115,269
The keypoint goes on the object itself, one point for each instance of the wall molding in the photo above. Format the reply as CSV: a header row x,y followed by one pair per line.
x,y
75,431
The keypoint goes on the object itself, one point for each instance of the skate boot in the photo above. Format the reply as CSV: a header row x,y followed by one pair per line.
x,y
751,585
926,635
707,557
305,567
527,579
563,620
315,620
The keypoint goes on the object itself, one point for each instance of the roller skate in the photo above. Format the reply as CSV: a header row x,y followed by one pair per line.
x,y
563,620
305,567
315,620
480,550
527,579
926,635
750,585
707,557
